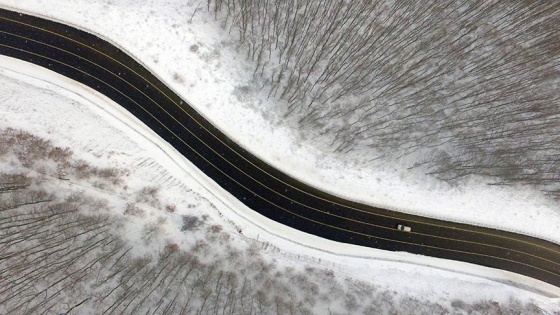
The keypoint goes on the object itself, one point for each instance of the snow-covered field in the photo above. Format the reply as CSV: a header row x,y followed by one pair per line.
x,y
194,55
99,132
182,44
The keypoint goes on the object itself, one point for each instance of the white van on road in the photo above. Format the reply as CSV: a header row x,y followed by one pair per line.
x,y
404,228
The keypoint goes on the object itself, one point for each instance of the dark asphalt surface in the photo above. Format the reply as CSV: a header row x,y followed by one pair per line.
x,y
103,67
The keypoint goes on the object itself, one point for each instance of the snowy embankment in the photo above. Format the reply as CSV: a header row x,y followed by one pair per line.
x,y
189,50
101,133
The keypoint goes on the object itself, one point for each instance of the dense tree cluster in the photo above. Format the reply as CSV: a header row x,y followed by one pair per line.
x,y
462,87
62,252
56,258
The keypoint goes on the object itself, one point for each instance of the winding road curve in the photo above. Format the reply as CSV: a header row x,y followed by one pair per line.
x,y
103,67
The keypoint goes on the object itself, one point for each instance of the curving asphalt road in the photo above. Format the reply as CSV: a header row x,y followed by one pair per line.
x,y
96,63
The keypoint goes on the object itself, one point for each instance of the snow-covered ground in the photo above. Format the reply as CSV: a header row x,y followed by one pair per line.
x,y
101,133
194,55
180,42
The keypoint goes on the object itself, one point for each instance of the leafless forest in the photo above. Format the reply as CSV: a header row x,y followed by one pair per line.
x,y
62,252
456,87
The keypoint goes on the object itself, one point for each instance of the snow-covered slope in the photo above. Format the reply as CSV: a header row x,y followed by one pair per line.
x,y
189,50
186,48
101,133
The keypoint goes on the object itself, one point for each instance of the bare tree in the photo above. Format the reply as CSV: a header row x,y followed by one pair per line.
x,y
460,88
56,257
